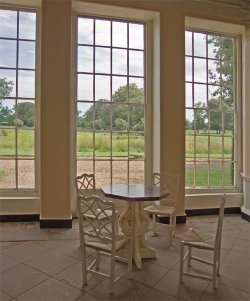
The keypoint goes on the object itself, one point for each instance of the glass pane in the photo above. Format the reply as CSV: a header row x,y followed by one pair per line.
x,y
102,144
120,172
120,145
212,46
102,116
102,60
214,92
136,36
189,121
136,63
102,173
201,173
229,148
9,79
229,123
8,21
117,83
26,84
215,173
215,122
200,44
120,34
189,95
85,31
27,55
119,60
85,87
7,174
25,113
25,143
7,114
102,87
200,70
27,25
136,118
228,98
102,32
8,142
216,147
8,53
26,174
189,146
200,94
136,146
120,117
188,43
136,172
188,68
84,166
200,124
189,174
136,94
85,59
85,115
202,147
213,72
228,174
227,73
85,144
139,82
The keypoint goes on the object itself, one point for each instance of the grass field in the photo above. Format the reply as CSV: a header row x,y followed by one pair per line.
x,y
102,148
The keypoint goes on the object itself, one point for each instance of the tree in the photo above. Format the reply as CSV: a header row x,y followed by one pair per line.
x,y
26,113
6,114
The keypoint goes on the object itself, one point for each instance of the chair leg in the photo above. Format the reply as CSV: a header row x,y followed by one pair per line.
x,y
181,263
189,256
154,225
112,274
84,265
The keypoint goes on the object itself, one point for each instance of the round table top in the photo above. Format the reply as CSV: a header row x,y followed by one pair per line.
x,y
134,192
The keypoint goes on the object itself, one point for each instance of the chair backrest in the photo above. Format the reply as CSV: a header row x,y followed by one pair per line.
x,y
96,222
169,181
220,223
83,183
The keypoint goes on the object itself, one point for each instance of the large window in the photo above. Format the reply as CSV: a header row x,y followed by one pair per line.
x,y
110,99
211,136
17,99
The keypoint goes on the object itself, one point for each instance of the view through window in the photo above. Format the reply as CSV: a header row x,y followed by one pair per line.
x,y
17,98
110,100
210,110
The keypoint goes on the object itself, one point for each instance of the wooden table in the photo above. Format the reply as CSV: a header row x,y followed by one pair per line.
x,y
134,220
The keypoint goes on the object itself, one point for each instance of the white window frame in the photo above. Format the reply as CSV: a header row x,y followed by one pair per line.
x,y
236,31
29,193
152,84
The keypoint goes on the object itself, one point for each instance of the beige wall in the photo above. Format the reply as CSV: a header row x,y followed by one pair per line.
x,y
56,89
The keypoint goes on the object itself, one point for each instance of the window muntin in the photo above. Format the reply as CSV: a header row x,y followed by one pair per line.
x,y
110,99
211,138
17,99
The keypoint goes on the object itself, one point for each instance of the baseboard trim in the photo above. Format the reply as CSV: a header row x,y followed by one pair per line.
x,y
55,223
212,211
245,216
165,219
19,218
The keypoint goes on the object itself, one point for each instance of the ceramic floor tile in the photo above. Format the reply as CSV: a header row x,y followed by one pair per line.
x,y
157,295
4,297
7,262
51,263
25,251
51,290
20,279
31,234
241,245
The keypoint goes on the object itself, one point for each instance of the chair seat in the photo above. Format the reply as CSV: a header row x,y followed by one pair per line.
x,y
160,209
199,239
120,242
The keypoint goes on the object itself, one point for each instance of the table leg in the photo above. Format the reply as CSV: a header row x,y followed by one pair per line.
x,y
134,222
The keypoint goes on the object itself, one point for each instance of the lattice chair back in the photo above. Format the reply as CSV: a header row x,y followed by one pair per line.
x,y
169,181
85,184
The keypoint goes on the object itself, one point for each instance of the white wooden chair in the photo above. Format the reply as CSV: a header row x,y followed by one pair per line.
x,y
203,241
85,186
165,207
100,234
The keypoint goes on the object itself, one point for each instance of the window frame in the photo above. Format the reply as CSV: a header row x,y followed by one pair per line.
x,y
235,32
33,193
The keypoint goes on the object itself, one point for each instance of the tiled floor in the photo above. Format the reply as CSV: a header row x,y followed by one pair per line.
x,y
39,264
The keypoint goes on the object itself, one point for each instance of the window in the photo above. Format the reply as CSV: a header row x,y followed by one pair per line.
x,y
211,119
110,99
17,99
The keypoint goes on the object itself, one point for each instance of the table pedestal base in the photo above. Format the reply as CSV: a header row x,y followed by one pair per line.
x,y
134,222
